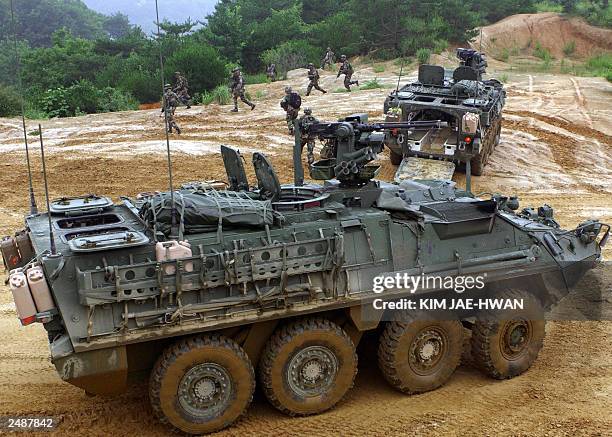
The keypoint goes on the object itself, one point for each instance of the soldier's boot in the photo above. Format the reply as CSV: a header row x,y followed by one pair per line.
x,y
235,109
252,106
308,90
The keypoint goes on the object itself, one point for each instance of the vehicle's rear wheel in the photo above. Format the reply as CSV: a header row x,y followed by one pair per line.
x,y
505,344
307,366
201,384
478,165
395,158
417,355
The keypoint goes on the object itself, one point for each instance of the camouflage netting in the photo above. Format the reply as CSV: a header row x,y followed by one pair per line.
x,y
202,211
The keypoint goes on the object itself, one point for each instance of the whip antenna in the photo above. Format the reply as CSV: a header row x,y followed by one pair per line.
x,y
33,207
398,81
161,65
44,168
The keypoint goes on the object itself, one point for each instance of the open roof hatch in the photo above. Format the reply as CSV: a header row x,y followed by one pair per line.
x,y
267,181
234,167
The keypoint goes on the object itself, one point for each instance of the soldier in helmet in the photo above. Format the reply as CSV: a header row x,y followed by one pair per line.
x,y
237,89
181,88
347,69
169,104
328,59
291,104
313,76
306,139
271,72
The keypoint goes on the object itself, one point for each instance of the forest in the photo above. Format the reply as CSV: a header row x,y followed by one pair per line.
x,y
74,60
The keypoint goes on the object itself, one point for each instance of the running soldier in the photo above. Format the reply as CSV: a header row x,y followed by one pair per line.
x,y
328,59
347,69
291,104
313,75
308,140
181,88
169,104
271,72
237,89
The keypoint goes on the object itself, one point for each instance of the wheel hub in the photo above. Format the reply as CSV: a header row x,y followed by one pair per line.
x,y
312,371
517,334
426,351
205,390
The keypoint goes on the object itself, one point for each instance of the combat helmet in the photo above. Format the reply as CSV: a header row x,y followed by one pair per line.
x,y
288,90
307,111
310,64
343,58
167,86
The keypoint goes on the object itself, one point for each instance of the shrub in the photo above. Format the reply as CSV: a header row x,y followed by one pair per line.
x,y
251,79
144,86
10,102
220,95
290,55
200,63
371,84
82,97
379,68
542,53
504,55
440,45
423,56
548,6
569,48
55,102
503,78
600,65
114,100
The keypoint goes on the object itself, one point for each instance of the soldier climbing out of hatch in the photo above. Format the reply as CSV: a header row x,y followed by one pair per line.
x,y
313,76
306,139
237,89
169,104
291,104
347,69
181,88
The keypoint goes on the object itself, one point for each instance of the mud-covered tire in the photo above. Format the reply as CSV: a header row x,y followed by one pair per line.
x,y
307,366
395,158
504,347
478,165
416,354
216,379
497,135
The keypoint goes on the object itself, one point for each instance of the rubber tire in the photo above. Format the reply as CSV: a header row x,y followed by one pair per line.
x,y
393,352
485,342
395,158
477,166
281,347
181,356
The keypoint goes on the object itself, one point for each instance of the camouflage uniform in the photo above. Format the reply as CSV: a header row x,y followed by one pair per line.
x,y
292,112
237,89
347,69
313,75
181,88
304,122
328,59
271,72
169,104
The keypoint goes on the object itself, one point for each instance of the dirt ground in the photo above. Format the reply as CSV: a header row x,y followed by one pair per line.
x,y
556,149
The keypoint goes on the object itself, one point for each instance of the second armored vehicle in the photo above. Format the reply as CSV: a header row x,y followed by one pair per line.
x,y
471,106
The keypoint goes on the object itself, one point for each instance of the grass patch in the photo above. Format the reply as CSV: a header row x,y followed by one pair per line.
x,y
600,65
423,56
341,90
542,52
569,48
548,6
503,78
260,94
220,95
504,55
440,45
251,79
35,114
378,68
402,61
371,85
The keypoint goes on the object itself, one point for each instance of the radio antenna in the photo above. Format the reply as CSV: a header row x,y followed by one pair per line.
x,y
33,207
44,168
398,81
173,227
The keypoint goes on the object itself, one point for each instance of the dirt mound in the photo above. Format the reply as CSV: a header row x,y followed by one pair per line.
x,y
552,31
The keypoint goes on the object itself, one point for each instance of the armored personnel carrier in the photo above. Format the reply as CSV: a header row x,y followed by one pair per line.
x,y
196,288
471,106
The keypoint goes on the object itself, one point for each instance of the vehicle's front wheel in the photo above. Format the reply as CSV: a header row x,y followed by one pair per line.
x,y
505,344
307,366
395,158
201,384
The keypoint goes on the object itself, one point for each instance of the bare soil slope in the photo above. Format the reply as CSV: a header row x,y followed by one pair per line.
x,y
550,29
556,148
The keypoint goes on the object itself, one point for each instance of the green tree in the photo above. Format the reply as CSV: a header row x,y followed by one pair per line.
x,y
202,65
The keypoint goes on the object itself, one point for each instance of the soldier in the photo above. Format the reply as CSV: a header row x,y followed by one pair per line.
x,y
169,104
306,139
313,75
237,89
181,88
328,59
271,72
347,69
291,104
